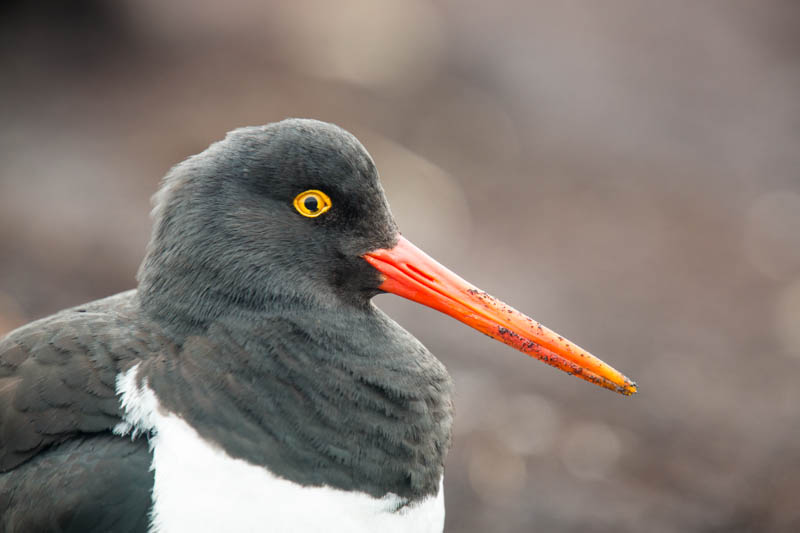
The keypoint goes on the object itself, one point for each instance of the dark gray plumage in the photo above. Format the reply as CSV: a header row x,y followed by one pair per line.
x,y
251,323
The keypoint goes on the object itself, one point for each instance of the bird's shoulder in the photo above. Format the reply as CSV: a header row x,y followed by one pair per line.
x,y
57,374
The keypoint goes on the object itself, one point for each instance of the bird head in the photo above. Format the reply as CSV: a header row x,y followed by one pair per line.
x,y
293,213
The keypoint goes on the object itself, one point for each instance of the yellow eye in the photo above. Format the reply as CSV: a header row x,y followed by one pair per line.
x,y
312,203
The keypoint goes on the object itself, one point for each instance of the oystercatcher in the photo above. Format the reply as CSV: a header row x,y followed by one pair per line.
x,y
248,383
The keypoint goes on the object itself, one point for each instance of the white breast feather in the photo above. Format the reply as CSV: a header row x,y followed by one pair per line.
x,y
199,488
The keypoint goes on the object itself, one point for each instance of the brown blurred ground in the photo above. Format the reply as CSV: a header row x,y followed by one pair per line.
x,y
627,172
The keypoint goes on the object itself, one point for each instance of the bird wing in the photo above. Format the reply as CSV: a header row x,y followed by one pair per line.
x,y
61,468
57,376
88,484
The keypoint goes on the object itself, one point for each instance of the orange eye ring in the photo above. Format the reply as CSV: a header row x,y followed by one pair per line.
x,y
312,203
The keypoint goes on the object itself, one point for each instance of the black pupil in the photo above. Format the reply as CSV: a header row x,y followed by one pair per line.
x,y
311,204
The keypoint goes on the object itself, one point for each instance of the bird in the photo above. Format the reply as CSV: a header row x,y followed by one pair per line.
x,y
248,383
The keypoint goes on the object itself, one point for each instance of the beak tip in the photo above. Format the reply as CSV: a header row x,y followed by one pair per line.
x,y
629,389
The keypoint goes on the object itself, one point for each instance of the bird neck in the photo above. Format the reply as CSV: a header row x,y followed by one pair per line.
x,y
188,301
346,399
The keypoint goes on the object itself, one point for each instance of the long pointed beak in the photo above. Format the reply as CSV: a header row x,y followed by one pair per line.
x,y
411,273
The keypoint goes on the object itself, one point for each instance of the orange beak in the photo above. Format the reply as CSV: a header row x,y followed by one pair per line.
x,y
411,273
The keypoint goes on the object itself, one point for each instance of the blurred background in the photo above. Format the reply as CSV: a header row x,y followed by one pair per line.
x,y
627,172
